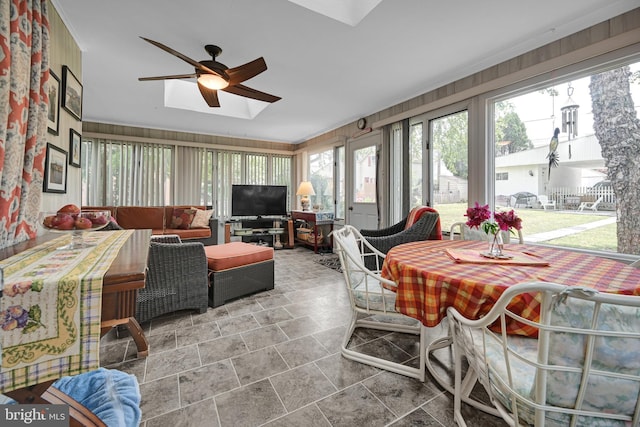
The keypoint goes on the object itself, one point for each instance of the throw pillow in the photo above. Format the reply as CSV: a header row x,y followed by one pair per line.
x,y
182,218
201,218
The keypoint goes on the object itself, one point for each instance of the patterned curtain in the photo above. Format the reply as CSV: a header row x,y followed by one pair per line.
x,y
24,76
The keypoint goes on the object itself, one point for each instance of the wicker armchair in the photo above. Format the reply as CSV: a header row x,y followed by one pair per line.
x,y
177,278
426,226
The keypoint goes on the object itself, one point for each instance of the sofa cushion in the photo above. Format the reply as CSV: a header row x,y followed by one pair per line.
x,y
201,218
235,254
181,218
191,233
130,217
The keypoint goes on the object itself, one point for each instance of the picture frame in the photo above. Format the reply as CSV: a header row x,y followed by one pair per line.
x,y
53,117
72,93
75,147
55,170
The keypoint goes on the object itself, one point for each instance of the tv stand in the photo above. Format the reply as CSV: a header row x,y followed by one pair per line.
x,y
262,233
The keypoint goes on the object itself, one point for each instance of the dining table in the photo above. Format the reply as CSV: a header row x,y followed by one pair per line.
x,y
432,275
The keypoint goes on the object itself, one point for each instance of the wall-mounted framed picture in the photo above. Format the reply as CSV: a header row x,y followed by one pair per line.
x,y
53,117
75,146
55,170
72,93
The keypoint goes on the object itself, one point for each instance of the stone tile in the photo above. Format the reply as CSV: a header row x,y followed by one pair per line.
x,y
441,408
263,337
383,349
162,342
242,306
302,350
159,397
399,393
113,352
300,386
212,315
271,317
355,406
234,325
169,323
171,362
273,301
299,327
309,416
332,338
199,333
259,364
344,372
199,414
221,348
249,406
207,381
417,418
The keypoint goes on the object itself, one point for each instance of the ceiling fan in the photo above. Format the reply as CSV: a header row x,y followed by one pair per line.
x,y
213,76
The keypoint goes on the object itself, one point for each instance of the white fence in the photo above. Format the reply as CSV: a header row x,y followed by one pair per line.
x,y
571,197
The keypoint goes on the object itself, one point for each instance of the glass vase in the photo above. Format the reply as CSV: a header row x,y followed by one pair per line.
x,y
496,244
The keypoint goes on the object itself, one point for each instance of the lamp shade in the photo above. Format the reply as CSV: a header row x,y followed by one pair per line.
x,y
305,189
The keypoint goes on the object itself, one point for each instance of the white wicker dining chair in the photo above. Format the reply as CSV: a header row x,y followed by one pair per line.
x,y
372,295
467,233
581,369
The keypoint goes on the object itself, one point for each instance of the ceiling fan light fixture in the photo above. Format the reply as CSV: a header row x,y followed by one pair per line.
x,y
212,81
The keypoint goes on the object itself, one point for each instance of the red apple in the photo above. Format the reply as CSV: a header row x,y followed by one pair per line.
x,y
83,223
48,221
63,221
70,209
97,218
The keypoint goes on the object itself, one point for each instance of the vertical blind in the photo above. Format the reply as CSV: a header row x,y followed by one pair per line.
x,y
137,174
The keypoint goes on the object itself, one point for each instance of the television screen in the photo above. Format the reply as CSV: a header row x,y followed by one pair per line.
x,y
258,200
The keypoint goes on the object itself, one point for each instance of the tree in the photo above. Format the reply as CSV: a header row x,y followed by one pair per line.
x,y
617,128
510,128
450,140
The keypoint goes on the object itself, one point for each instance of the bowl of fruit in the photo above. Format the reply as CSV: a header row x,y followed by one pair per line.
x,y
71,219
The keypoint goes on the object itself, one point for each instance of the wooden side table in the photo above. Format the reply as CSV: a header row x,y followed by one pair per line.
x,y
317,219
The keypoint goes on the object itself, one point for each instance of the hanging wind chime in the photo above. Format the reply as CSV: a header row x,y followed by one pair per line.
x,y
570,117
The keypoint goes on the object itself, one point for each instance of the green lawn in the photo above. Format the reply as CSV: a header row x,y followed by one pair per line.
x,y
538,221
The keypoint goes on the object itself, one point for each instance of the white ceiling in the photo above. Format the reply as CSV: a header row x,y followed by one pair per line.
x,y
328,73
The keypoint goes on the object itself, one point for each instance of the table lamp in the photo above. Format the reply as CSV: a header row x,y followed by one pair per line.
x,y
305,190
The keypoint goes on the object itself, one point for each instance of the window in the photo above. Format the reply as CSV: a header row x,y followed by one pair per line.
x,y
572,170
326,173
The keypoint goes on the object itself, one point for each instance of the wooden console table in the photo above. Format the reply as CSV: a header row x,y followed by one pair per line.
x,y
315,218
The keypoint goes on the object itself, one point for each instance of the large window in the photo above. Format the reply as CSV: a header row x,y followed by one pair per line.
x,y
327,175
127,173
587,166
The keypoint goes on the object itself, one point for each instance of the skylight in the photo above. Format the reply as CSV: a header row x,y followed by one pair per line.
x,y
186,96
349,12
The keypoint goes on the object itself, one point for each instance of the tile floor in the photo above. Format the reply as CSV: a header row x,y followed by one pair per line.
x,y
273,359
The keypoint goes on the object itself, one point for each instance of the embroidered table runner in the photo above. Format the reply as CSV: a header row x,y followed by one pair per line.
x,y
50,309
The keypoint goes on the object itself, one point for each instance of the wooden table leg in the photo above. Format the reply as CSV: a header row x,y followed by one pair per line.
x,y
138,337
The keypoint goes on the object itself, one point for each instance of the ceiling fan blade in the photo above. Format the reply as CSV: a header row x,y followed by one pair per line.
x,y
175,76
248,92
180,55
209,95
246,71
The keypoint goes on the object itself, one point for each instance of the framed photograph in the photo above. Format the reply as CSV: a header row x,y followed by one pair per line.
x,y
53,119
55,170
72,93
74,148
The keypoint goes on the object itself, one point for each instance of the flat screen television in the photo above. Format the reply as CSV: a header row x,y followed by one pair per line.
x,y
258,200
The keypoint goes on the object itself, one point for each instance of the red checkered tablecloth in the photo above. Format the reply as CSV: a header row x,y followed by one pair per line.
x,y
429,280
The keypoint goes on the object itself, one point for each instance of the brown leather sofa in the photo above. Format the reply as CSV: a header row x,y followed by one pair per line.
x,y
158,219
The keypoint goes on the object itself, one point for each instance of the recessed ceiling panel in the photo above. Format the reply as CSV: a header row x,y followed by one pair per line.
x,y
186,96
350,12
